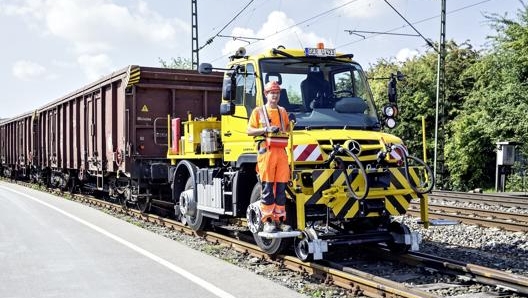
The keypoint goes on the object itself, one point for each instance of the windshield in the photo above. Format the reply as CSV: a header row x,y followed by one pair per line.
x,y
322,93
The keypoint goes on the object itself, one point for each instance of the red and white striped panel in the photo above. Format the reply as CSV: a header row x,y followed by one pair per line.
x,y
307,152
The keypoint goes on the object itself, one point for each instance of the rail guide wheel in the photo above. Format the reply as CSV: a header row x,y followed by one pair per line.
x,y
190,214
309,247
403,239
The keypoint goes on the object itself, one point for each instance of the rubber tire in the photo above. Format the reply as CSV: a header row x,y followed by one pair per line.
x,y
269,246
198,222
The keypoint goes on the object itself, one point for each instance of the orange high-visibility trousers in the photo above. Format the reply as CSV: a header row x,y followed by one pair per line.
x,y
273,165
274,173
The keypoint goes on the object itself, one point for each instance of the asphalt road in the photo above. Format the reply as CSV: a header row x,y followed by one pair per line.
x,y
52,247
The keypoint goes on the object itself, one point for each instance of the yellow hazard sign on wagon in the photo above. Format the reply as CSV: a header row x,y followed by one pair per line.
x,y
144,108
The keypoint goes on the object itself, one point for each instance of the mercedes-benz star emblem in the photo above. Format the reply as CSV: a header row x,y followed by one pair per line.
x,y
354,147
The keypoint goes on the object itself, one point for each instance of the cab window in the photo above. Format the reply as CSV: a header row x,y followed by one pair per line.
x,y
246,88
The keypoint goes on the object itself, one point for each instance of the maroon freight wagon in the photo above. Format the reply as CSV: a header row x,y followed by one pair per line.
x,y
17,146
110,135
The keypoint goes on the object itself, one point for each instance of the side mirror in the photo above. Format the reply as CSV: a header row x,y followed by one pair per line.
x,y
227,108
205,68
227,89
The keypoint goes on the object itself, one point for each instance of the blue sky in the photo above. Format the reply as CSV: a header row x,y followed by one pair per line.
x,y
53,47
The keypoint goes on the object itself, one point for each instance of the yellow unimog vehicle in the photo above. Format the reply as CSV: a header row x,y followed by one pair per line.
x,y
348,178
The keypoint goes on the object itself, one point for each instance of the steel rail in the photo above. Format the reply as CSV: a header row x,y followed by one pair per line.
x,y
484,275
479,198
503,220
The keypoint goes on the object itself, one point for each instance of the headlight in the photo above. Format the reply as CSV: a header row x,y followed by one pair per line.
x,y
390,122
390,111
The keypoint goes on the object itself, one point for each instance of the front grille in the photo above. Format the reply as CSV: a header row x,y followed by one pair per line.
x,y
369,148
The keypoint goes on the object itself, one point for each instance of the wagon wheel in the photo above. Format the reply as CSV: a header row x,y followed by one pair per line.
x,y
73,184
143,203
64,182
133,199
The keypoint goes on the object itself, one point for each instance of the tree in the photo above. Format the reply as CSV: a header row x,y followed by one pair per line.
x,y
417,93
494,109
177,63
486,100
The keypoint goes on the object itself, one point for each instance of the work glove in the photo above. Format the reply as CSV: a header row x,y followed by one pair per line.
x,y
272,129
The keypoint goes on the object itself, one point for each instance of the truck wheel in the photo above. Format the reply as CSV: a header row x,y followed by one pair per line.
x,y
188,206
269,246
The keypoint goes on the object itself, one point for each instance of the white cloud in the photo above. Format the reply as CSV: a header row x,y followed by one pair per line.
x,y
94,66
277,30
100,25
28,70
33,8
406,54
100,28
365,9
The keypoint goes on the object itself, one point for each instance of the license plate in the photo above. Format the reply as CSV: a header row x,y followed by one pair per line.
x,y
319,52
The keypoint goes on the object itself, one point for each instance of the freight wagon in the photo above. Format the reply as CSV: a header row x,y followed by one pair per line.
x,y
109,136
17,146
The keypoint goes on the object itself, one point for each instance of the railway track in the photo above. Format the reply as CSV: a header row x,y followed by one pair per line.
x,y
482,211
491,219
504,200
358,283
469,272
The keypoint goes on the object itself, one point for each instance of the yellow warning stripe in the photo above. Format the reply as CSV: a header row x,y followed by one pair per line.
x,y
396,196
133,76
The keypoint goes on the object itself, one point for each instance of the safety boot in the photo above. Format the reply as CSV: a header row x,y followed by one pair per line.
x,y
269,227
284,227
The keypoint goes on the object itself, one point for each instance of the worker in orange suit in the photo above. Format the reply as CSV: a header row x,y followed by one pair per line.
x,y
266,124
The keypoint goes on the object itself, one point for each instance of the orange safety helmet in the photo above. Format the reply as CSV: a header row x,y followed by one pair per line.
x,y
272,86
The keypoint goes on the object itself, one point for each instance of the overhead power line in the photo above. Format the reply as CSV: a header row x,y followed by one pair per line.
x,y
356,32
415,23
355,41
409,23
210,40
242,38
297,24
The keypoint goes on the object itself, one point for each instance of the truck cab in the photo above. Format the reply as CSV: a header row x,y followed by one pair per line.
x,y
318,89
